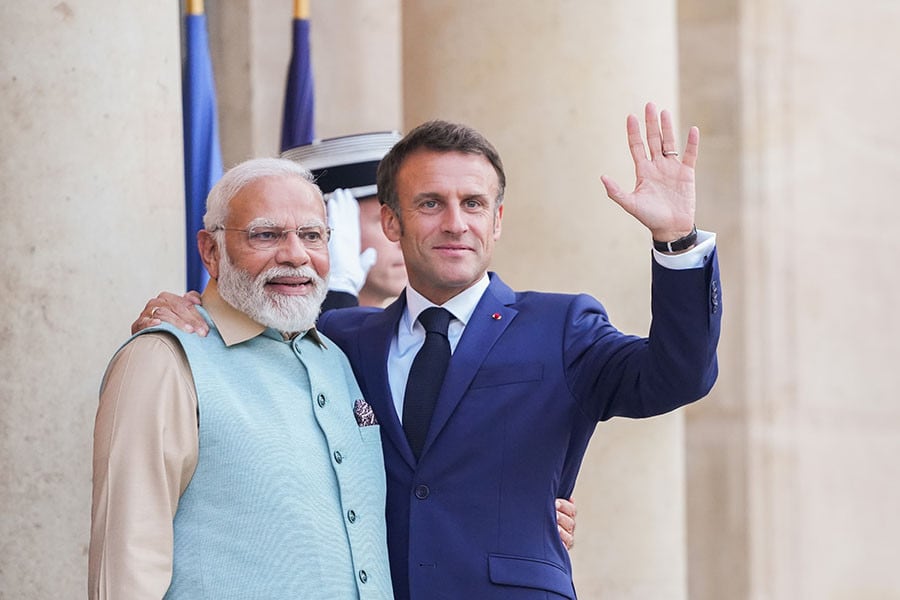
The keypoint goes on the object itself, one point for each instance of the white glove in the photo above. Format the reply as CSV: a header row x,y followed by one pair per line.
x,y
349,267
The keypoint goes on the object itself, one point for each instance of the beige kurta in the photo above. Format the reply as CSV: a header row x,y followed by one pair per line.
x,y
157,431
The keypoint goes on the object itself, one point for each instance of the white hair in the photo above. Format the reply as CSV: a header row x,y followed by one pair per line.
x,y
240,176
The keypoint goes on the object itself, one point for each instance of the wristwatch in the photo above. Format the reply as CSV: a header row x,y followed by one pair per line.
x,y
682,243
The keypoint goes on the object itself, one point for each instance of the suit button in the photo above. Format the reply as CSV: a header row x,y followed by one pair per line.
x,y
363,576
321,400
351,516
338,457
422,492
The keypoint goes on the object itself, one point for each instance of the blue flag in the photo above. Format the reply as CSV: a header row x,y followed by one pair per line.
x,y
202,154
297,124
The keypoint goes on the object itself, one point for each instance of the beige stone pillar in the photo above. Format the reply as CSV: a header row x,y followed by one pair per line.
x,y
794,473
717,433
550,84
355,48
92,198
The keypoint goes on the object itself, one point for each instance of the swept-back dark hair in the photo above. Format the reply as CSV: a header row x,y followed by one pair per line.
x,y
439,136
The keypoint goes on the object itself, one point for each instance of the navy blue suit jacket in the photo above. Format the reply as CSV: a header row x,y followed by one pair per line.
x,y
474,518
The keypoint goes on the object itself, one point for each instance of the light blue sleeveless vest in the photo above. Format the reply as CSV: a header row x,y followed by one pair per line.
x,y
288,497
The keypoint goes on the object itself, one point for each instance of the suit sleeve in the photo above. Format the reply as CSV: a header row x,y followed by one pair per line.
x,y
613,374
145,452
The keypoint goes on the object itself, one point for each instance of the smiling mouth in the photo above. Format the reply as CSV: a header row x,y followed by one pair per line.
x,y
289,284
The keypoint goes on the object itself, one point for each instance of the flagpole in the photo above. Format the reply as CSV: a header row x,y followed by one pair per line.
x,y
202,152
297,127
195,7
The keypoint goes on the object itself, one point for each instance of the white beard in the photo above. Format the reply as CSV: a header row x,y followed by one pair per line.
x,y
287,314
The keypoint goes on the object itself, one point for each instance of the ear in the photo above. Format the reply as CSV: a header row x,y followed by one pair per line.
x,y
497,219
209,252
390,223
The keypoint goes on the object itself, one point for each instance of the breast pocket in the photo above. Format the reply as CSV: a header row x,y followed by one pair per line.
x,y
508,375
370,434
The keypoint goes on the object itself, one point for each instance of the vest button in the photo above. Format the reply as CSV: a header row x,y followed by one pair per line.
x,y
351,516
338,457
321,400
422,492
363,576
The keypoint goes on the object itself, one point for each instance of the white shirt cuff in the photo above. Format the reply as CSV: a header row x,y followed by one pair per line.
x,y
694,258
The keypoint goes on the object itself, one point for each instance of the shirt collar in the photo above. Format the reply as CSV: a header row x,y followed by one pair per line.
x,y
236,327
461,306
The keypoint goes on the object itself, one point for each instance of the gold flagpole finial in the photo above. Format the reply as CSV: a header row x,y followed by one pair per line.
x,y
195,7
301,9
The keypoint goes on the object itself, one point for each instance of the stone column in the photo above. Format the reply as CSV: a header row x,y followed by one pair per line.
x,y
355,48
92,197
550,85
717,433
794,472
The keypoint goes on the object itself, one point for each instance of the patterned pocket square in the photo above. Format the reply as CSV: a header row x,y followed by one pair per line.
x,y
364,414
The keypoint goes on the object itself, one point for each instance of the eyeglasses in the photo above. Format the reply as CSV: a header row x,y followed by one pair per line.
x,y
268,238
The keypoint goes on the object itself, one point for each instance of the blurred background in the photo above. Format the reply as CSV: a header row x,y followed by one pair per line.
x,y
783,484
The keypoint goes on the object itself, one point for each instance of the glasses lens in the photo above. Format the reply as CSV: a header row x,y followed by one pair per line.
x,y
314,238
266,238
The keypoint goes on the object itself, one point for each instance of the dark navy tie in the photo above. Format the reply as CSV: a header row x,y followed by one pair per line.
x,y
426,377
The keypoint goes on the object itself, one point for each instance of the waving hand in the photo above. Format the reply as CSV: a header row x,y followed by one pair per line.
x,y
664,197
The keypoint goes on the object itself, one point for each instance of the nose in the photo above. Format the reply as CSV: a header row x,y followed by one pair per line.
x,y
454,219
291,251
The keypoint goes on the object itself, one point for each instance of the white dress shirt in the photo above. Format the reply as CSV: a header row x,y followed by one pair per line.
x,y
411,334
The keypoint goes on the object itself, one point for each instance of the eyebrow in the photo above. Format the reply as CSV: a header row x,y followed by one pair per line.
x,y
261,222
267,222
428,196
439,196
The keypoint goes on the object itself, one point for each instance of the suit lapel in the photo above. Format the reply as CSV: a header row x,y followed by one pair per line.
x,y
375,338
491,318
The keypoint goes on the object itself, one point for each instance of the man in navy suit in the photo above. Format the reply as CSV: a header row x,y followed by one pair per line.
x,y
471,513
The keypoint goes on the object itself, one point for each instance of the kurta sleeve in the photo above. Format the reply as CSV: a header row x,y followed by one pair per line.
x,y
145,453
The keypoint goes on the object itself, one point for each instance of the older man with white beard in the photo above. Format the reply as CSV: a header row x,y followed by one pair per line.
x,y
245,463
